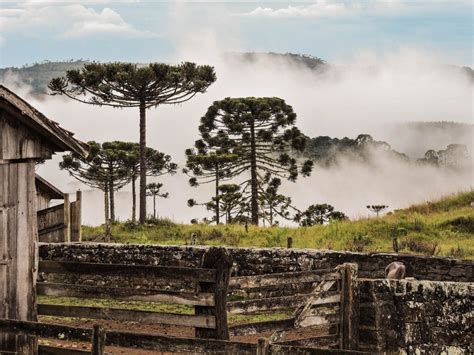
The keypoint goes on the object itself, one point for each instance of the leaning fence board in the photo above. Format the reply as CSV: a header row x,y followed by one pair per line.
x,y
148,295
51,350
272,280
179,345
266,304
198,274
205,321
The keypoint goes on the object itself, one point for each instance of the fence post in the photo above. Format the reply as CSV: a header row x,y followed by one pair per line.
x,y
263,346
76,218
289,242
67,219
98,340
220,260
349,328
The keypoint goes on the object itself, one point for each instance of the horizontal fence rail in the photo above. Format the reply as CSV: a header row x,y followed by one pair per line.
x,y
146,317
131,294
122,270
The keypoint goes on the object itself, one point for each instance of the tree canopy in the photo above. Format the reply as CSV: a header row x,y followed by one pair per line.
x,y
123,85
261,132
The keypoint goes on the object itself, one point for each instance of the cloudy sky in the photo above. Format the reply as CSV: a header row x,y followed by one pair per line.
x,y
36,30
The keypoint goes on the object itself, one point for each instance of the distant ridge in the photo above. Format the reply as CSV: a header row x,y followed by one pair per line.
x,y
38,75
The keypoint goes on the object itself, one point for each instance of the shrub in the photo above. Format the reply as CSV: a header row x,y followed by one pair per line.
x,y
419,245
358,243
460,224
458,252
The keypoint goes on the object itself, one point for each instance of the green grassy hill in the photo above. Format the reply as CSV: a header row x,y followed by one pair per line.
x,y
444,227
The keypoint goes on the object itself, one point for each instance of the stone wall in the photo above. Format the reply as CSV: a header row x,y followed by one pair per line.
x,y
422,317
253,261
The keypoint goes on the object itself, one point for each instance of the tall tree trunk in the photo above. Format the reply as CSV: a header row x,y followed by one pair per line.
x,y
154,206
112,201
134,199
253,176
271,215
106,210
217,195
142,163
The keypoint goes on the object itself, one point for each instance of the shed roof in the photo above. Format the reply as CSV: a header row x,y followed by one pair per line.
x,y
46,188
61,139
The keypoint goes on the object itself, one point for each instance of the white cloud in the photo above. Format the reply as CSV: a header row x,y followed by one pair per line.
x,y
33,18
332,8
320,8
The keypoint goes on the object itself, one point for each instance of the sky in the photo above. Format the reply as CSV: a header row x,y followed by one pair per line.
x,y
389,68
141,31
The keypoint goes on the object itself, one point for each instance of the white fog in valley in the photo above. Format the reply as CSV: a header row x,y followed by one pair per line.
x,y
368,94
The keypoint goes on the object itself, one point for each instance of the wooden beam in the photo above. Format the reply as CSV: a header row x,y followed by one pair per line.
x,y
98,340
160,343
266,304
349,307
271,281
45,330
51,350
104,292
220,260
148,271
205,321
261,327
67,219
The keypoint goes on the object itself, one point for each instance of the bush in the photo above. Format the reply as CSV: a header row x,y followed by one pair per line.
x,y
460,224
419,245
358,243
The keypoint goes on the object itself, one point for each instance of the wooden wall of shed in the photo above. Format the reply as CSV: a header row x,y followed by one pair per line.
x,y
18,249
18,142
42,201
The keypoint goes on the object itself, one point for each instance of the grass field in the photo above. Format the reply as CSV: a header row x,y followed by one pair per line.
x,y
444,227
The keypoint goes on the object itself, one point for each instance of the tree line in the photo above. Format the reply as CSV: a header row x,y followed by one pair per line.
x,y
245,147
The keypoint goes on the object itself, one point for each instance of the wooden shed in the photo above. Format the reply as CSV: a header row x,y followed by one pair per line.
x,y
26,138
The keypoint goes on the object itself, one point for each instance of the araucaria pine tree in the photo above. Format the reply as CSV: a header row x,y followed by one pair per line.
x,y
261,132
123,85
206,167
154,190
103,169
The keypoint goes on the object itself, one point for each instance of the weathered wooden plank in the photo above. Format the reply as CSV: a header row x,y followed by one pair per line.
x,y
148,271
51,209
271,281
334,298
289,349
148,295
98,340
67,220
266,304
349,307
178,345
52,228
220,260
51,350
45,330
127,315
260,327
76,218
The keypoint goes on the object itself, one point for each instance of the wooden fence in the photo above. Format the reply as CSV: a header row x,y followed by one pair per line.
x,y
208,297
61,223
323,302
100,338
